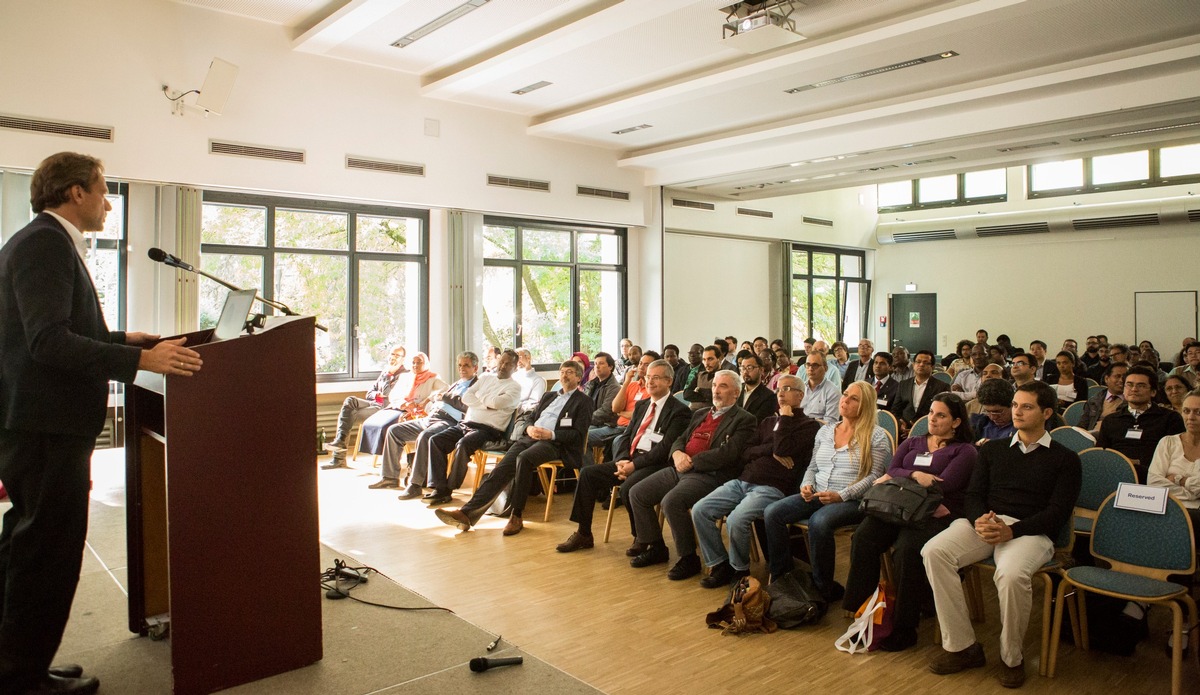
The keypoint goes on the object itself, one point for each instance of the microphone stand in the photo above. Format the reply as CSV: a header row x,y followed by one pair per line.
x,y
278,306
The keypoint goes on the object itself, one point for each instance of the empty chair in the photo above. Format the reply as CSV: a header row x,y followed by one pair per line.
x,y
1103,471
1073,438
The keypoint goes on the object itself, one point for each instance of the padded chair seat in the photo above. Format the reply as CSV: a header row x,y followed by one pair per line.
x,y
1098,579
1052,563
1082,524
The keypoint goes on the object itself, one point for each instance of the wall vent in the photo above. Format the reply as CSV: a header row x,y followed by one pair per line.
x,y
1115,221
693,204
1013,229
751,212
512,182
817,221
75,130
255,151
931,235
367,164
594,192
1193,215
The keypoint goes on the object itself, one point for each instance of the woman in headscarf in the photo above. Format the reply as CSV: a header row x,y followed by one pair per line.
x,y
582,358
406,402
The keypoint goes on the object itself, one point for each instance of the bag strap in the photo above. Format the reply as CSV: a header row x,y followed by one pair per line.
x,y
857,638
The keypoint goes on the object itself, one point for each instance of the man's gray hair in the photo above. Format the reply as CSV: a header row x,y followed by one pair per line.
x,y
574,366
737,378
660,363
469,355
795,381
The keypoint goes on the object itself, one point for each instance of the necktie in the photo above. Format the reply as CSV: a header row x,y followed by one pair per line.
x,y
878,386
641,430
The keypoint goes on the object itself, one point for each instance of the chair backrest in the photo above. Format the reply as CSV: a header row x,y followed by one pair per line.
x,y
1150,545
1092,383
943,376
1103,470
1096,388
888,422
1073,415
1073,438
920,428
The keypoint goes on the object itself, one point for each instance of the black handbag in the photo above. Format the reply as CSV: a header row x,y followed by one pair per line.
x,y
795,600
901,501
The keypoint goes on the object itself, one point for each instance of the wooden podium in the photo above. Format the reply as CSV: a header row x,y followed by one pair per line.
x,y
221,486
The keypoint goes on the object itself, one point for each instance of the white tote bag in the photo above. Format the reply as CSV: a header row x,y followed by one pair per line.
x,y
857,637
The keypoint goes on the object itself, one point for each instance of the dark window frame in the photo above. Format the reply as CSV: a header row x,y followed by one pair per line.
x,y
838,277
1154,180
121,246
959,200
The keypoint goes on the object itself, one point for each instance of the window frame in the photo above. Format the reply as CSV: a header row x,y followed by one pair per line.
x,y
1154,180
121,246
841,282
959,200
269,250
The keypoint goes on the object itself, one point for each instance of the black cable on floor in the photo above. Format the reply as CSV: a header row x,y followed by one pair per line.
x,y
334,575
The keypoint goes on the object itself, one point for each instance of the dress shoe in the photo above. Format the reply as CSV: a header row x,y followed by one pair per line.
x,y
336,446
721,575
66,670
953,662
636,549
514,525
386,484
435,500
411,492
64,686
1012,676
453,517
335,463
688,566
577,541
655,554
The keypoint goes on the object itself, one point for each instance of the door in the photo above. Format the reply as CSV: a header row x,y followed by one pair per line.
x,y
913,320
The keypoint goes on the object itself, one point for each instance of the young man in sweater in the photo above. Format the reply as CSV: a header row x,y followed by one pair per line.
x,y
1021,493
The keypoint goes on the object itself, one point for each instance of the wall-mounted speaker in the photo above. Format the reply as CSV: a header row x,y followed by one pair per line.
x,y
217,86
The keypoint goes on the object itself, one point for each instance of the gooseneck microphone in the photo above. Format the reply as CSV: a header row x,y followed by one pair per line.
x,y
159,256
482,663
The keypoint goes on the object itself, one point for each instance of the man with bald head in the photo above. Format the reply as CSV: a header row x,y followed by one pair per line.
x,y
861,368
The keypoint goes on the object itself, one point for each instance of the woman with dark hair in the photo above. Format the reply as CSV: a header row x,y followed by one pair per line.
x,y
1070,387
1174,389
945,456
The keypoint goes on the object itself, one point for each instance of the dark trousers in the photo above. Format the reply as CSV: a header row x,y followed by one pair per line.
x,y
871,539
596,482
354,410
463,440
676,493
41,546
518,467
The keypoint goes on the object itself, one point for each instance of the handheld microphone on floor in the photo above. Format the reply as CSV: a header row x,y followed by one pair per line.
x,y
482,663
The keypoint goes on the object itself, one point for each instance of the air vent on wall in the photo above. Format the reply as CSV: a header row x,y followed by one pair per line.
x,y
693,204
524,184
1113,222
255,151
1193,215
1013,229
384,165
817,221
751,212
75,130
601,193
931,235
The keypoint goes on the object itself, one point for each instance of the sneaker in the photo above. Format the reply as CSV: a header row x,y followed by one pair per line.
x,y
687,567
1012,676
386,484
953,662
411,492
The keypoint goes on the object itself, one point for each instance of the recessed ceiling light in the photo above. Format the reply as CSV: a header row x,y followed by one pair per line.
x,y
1031,146
631,129
531,87
874,71
440,22
1140,131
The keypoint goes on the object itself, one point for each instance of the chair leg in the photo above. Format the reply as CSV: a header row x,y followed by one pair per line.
x,y
1056,629
1046,617
1081,606
1176,647
612,506
357,444
550,492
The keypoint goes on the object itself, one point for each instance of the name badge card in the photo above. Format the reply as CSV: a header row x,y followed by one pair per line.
x,y
1141,498
1133,433
653,437
566,422
880,401
924,460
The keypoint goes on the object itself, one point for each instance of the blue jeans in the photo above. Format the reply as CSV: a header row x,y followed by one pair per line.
x,y
743,503
823,521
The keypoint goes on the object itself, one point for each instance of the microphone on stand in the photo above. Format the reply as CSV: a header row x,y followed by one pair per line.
x,y
160,256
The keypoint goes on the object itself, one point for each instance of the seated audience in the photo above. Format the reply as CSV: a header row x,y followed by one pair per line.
x,y
901,365
915,395
1181,356
1022,369
1069,386
820,395
961,360
633,389
966,381
1022,491
1108,401
491,358
990,371
1136,428
354,410
997,355
1043,370
1096,371
945,456
1091,354
582,358
775,459
1176,461
770,376
841,355
783,362
679,368
1005,342
847,457
832,373
885,385
728,353
1119,353
407,401
756,398
995,419
859,369
601,390
558,434
1175,387
626,359
1190,369
699,394
533,386
760,344
686,376
981,337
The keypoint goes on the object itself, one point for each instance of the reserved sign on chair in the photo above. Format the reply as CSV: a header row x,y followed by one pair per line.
x,y
1141,498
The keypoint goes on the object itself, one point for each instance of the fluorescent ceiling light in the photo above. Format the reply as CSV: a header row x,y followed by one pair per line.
x,y
1140,131
440,22
531,88
631,129
874,71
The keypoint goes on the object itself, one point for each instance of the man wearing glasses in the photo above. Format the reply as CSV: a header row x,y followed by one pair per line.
x,y
756,397
821,397
1136,429
1108,401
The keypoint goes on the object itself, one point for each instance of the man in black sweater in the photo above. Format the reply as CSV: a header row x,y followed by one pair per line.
x,y
1021,493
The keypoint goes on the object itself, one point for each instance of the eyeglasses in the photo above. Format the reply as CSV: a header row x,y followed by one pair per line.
x,y
658,377
788,389
1136,385
813,365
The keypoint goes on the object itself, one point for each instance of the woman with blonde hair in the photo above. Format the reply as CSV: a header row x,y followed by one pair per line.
x,y
847,458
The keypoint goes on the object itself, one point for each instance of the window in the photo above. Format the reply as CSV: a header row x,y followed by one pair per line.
x,y
106,257
1123,170
970,188
829,294
552,289
361,270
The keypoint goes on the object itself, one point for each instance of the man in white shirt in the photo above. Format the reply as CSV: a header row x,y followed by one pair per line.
x,y
821,397
532,384
966,382
914,396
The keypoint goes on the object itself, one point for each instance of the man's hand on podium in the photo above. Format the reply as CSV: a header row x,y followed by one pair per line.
x,y
170,357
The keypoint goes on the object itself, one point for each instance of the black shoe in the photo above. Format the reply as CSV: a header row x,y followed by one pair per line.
x,y
335,463
64,686
687,567
435,500
898,641
720,575
66,670
656,554
833,593
411,492
636,549
386,484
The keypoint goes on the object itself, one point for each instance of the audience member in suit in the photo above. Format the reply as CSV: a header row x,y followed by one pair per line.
x,y
756,398
601,390
1043,370
656,423
820,395
1070,386
915,395
1136,429
901,364
883,382
1190,370
774,461
632,390
558,434
704,457
699,394
966,381
1108,401
695,365
859,369
57,356
679,368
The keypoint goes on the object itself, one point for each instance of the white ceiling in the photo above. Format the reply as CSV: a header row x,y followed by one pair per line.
x,y
1027,72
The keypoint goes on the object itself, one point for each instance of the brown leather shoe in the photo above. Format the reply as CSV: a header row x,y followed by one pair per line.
x,y
453,517
514,526
953,662
636,549
577,541
1012,676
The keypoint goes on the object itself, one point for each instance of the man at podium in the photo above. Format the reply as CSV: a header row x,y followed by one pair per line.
x,y
57,356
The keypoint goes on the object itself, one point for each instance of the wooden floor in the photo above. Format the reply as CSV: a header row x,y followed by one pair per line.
x,y
626,630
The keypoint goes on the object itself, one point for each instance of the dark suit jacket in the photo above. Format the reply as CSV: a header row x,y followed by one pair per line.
x,y
762,404
569,438
672,421
56,352
888,393
851,369
1093,410
723,457
902,405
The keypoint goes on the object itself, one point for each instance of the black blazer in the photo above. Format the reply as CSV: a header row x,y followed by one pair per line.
x,y
888,393
56,352
568,438
723,458
671,423
850,371
902,405
762,404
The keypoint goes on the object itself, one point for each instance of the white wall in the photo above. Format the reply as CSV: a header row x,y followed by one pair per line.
x,y
716,286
